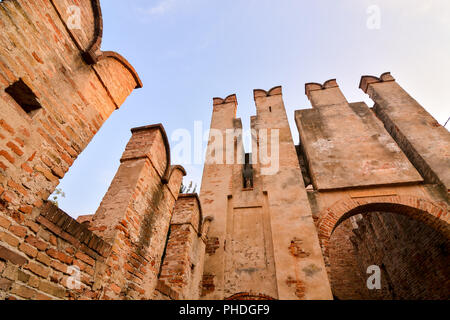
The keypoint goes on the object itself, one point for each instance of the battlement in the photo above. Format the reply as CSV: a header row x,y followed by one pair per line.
x,y
227,108
229,99
367,80
313,86
413,128
66,119
182,266
327,94
257,93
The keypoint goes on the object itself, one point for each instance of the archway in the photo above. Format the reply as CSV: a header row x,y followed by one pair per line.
x,y
406,238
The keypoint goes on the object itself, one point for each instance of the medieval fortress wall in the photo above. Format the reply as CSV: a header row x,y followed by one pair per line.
x,y
365,185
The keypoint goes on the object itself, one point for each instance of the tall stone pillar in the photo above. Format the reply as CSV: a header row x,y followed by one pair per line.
x,y
262,243
300,269
327,94
216,186
419,135
182,268
135,214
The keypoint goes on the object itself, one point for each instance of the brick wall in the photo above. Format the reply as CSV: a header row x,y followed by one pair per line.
x,y
75,98
42,64
248,248
117,252
135,214
412,256
344,273
419,135
182,267
57,88
54,257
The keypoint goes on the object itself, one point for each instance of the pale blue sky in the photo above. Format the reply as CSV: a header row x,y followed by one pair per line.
x,y
189,51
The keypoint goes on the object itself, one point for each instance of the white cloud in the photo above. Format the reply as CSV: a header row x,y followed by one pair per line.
x,y
439,10
161,8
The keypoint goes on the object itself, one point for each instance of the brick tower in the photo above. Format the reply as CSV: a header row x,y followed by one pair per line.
x,y
262,242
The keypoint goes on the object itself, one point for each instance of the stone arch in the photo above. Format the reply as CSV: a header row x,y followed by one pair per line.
x,y
430,213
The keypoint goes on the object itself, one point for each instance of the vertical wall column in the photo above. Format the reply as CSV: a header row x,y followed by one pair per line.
x,y
135,214
327,94
300,269
182,268
216,186
425,142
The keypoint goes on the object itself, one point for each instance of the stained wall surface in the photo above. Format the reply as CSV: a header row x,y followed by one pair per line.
x,y
265,240
374,198
347,146
182,266
420,136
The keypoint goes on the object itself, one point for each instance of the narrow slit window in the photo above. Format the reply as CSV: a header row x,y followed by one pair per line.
x,y
247,172
24,97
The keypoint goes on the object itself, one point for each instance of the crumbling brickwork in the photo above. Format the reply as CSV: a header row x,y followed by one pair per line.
x,y
135,214
52,258
41,55
53,100
182,267
413,258
346,279
57,89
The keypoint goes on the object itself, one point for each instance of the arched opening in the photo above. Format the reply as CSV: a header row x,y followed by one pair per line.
x,y
406,247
